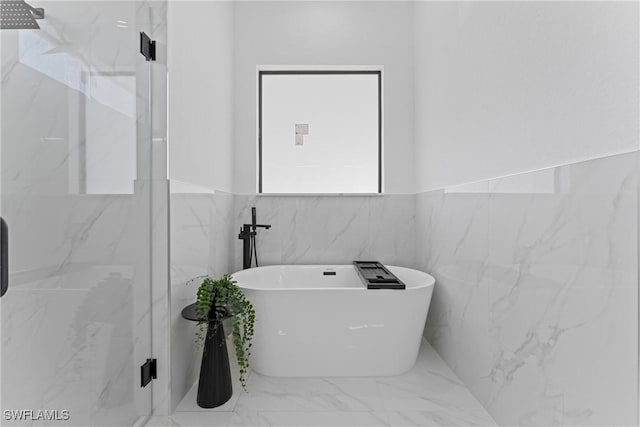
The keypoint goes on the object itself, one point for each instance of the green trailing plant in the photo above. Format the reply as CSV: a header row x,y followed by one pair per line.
x,y
220,298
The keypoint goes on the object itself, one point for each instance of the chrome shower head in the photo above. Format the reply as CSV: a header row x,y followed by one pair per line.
x,y
18,15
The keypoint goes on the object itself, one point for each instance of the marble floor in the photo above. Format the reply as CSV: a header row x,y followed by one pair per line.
x,y
428,395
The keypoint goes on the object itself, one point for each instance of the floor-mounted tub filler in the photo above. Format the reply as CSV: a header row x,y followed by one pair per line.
x,y
320,320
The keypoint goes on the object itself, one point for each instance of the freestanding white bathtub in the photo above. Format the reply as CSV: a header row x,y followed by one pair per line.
x,y
311,324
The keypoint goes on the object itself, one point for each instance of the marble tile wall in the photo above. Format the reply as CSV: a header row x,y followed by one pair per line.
x,y
536,302
76,322
200,230
329,229
68,337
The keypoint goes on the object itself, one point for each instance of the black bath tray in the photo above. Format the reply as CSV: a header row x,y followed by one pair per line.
x,y
374,275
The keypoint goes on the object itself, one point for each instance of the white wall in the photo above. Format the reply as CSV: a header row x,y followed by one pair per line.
x,y
200,62
508,87
326,33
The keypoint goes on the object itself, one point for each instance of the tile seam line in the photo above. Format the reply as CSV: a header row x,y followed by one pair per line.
x,y
528,171
214,190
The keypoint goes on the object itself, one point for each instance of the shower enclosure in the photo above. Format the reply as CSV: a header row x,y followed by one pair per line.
x,y
76,176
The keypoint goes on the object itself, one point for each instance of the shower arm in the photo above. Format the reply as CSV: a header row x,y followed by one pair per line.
x,y
19,15
37,12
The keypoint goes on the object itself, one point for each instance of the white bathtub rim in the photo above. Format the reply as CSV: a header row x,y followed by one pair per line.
x,y
426,279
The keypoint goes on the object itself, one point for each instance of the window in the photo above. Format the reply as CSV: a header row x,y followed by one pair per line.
x,y
320,131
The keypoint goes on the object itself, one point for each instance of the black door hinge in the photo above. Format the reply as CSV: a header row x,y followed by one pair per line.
x,y
4,256
148,372
147,47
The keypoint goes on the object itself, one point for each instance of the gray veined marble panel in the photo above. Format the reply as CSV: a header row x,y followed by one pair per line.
x,y
392,221
563,298
190,237
333,230
225,234
201,230
536,301
87,365
329,229
78,280
455,235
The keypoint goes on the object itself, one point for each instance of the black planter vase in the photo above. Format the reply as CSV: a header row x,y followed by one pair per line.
x,y
214,386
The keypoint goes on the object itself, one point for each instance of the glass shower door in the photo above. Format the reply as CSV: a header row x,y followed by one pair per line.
x,y
75,194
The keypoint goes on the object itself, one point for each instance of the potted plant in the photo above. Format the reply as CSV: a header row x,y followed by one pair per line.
x,y
218,300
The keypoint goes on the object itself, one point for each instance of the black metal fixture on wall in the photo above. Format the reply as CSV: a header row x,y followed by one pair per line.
x,y
18,15
248,236
4,257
